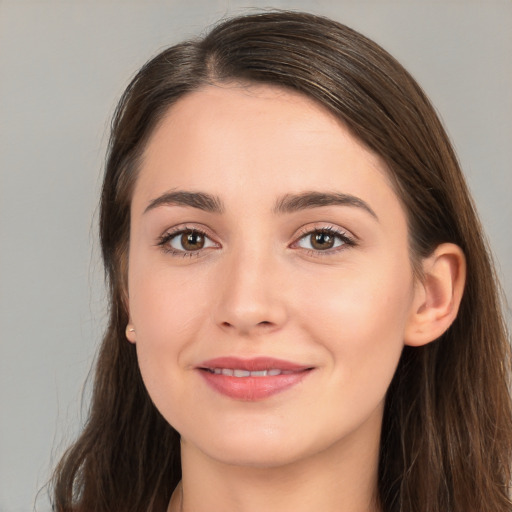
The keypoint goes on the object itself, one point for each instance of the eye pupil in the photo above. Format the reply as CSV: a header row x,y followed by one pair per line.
x,y
192,240
322,240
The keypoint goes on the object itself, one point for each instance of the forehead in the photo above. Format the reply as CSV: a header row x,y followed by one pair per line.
x,y
239,139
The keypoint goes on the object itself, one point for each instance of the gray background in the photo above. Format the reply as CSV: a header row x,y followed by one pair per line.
x,y
63,65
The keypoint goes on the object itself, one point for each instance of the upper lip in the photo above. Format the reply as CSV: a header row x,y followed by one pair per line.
x,y
253,364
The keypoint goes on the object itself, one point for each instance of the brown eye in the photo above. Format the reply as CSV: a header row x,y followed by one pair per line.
x,y
319,240
186,241
192,240
322,241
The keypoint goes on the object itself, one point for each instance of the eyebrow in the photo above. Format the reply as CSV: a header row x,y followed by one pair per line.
x,y
199,200
289,203
295,202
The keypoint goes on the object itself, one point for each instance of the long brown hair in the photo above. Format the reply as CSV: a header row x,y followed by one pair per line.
x,y
447,430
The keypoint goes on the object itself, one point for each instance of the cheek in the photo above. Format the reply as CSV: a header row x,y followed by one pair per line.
x,y
167,313
164,304
167,316
360,318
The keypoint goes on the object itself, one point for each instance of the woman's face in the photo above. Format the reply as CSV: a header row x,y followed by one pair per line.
x,y
269,277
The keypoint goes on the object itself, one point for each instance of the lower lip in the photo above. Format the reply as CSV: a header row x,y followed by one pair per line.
x,y
252,388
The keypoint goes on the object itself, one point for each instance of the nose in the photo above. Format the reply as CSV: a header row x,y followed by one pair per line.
x,y
251,297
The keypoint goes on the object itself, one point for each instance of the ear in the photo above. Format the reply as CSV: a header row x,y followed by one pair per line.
x,y
437,295
130,333
123,265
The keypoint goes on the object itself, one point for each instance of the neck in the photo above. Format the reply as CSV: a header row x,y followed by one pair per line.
x,y
342,478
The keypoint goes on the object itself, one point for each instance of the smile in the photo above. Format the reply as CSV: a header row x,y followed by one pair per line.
x,y
235,372
251,379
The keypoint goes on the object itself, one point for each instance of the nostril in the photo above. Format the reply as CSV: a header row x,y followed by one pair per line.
x,y
262,323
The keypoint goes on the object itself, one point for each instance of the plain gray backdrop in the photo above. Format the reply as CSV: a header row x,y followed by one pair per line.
x,y
63,65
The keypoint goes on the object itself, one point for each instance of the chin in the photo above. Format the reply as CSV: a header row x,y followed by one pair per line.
x,y
256,455
263,446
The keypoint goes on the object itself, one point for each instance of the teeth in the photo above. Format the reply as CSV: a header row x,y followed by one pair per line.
x,y
261,373
236,372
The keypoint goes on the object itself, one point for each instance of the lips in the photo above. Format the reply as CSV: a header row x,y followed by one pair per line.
x,y
238,372
251,379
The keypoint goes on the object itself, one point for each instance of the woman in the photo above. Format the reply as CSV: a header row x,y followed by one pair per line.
x,y
303,311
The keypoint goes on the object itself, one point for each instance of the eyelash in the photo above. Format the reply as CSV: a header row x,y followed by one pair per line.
x,y
347,241
343,236
164,240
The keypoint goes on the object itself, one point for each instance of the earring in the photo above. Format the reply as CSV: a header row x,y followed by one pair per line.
x,y
129,330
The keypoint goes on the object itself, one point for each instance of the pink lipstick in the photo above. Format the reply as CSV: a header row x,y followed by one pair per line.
x,y
251,379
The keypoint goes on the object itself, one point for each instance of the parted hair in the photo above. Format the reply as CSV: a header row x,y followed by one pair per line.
x,y
446,442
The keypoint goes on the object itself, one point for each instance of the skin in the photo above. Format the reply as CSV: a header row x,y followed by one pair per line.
x,y
259,288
